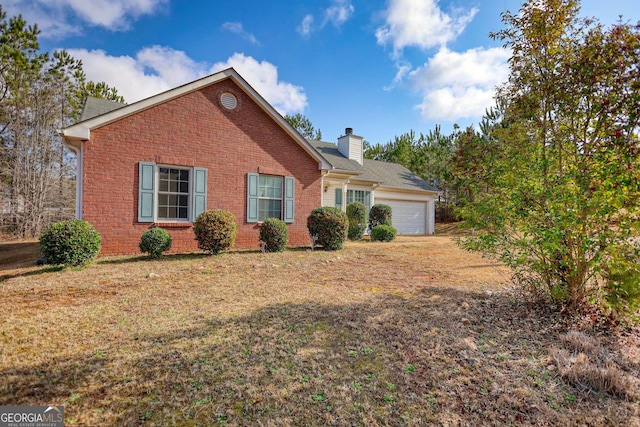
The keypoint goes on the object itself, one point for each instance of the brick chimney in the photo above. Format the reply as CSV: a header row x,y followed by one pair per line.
x,y
350,145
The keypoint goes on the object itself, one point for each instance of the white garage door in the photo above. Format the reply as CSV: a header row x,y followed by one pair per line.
x,y
407,217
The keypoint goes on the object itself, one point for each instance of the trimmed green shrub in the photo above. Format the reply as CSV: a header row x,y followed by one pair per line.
x,y
379,215
383,233
329,226
357,214
215,230
275,235
155,241
73,242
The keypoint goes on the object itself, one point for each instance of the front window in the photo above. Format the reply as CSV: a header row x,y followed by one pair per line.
x,y
173,193
358,196
361,196
269,197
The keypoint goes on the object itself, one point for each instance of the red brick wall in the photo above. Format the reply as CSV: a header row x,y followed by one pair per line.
x,y
193,130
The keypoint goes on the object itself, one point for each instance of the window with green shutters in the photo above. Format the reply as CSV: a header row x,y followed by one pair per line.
x,y
270,196
170,193
173,193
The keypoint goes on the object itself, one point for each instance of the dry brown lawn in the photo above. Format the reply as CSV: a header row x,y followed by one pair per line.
x,y
411,333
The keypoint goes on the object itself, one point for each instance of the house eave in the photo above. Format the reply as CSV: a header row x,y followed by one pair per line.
x,y
74,142
341,173
383,187
76,133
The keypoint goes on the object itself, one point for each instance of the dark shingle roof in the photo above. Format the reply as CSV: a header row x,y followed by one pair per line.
x,y
392,175
94,107
331,154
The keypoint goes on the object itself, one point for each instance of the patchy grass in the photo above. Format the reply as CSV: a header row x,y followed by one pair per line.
x,y
450,229
584,362
414,332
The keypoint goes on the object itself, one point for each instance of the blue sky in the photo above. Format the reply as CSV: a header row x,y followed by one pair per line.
x,y
382,67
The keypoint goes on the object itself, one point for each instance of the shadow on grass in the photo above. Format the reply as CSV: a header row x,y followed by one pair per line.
x,y
128,259
18,254
451,357
41,270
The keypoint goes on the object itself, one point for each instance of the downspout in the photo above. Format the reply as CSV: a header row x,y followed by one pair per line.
x,y
323,173
78,151
79,176
373,193
345,188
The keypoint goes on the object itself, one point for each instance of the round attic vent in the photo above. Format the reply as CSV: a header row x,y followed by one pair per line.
x,y
228,101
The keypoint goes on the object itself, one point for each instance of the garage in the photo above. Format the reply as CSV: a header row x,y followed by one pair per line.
x,y
408,217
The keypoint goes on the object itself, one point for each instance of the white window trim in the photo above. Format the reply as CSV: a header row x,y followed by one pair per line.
x,y
281,199
158,220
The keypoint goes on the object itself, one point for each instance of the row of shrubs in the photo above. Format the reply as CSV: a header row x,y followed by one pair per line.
x,y
76,242
329,227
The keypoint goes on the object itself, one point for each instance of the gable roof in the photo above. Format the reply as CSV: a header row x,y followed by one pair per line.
x,y
94,107
392,175
76,134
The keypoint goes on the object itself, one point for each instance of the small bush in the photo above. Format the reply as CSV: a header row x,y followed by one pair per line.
x,y
380,215
383,233
357,214
329,225
275,235
155,241
73,242
215,230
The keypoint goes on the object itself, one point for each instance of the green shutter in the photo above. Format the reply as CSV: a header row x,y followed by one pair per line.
x,y
288,198
146,191
367,203
339,198
252,197
199,192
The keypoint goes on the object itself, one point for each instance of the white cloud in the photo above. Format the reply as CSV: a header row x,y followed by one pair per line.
x,y
459,85
57,18
263,77
237,28
421,23
147,74
141,76
455,102
478,66
403,68
339,12
305,25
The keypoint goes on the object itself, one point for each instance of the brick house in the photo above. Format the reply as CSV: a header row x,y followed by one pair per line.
x,y
215,143
212,143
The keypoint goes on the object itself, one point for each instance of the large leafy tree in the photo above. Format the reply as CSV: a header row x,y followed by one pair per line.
x,y
304,126
40,93
556,182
